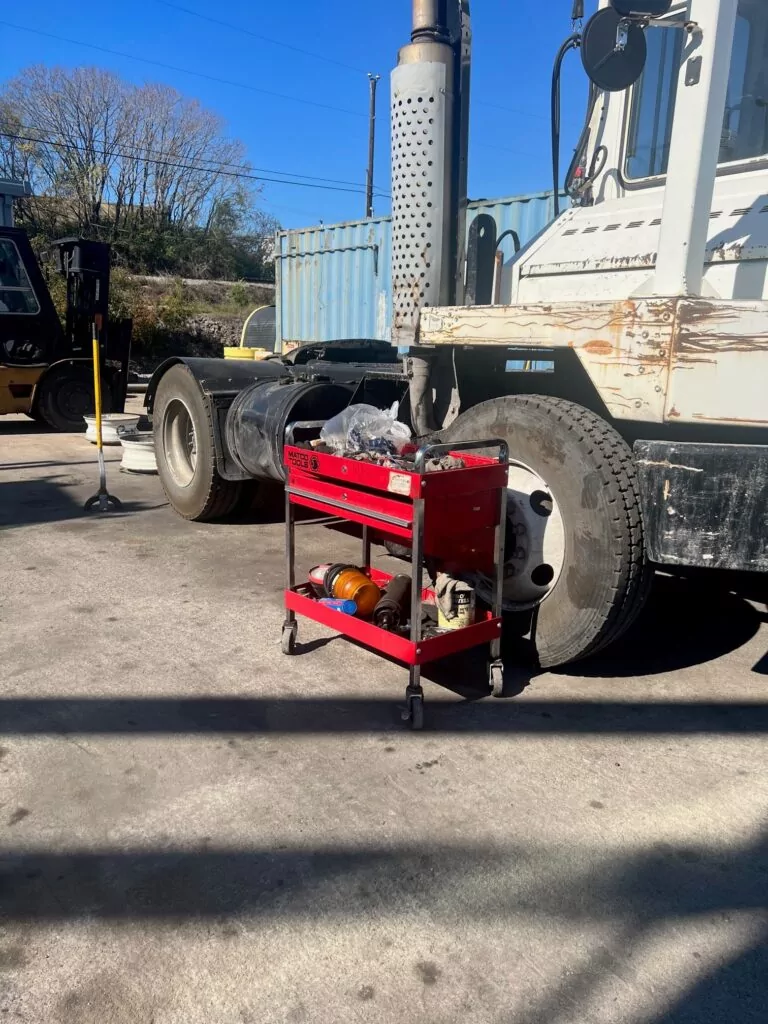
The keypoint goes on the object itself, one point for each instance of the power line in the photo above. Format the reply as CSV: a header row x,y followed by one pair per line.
x,y
186,166
146,154
506,149
259,35
512,110
183,71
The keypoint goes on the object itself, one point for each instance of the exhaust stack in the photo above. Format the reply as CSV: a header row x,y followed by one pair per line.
x,y
429,94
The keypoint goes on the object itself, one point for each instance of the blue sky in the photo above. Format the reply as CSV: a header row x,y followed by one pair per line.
x,y
514,43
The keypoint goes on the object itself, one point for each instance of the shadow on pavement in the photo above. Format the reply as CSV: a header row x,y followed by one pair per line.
x,y
687,621
46,500
32,716
637,894
10,467
17,428
42,500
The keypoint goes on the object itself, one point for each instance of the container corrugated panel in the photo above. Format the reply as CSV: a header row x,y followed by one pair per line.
x,y
334,280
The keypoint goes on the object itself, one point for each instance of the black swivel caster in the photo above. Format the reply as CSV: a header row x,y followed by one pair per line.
x,y
288,638
496,678
414,713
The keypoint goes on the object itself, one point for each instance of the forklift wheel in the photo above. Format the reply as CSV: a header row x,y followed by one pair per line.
x,y
65,396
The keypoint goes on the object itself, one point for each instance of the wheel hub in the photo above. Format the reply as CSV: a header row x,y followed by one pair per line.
x,y
535,541
75,400
180,442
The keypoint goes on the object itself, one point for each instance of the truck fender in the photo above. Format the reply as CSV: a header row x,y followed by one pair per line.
x,y
217,376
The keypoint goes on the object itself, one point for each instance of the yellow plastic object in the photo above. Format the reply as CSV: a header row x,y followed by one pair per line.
x,y
236,352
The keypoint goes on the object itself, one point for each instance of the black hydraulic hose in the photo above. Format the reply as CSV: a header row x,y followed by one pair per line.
x,y
593,94
571,43
509,233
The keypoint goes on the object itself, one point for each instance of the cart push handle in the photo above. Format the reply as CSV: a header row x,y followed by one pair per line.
x,y
430,450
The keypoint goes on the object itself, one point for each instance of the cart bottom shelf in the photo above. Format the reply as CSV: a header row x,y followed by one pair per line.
x,y
431,648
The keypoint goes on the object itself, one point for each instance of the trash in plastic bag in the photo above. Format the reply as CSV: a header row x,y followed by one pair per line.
x,y
364,428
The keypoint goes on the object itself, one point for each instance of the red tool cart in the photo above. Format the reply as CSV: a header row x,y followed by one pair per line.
x,y
453,518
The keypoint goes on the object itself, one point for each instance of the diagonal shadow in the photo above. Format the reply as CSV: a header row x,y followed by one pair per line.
x,y
737,991
670,884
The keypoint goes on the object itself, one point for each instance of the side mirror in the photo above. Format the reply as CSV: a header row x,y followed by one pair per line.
x,y
613,47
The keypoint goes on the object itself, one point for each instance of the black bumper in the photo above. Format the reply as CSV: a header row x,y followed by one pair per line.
x,y
705,504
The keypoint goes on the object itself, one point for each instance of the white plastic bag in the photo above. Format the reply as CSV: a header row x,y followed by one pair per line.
x,y
361,428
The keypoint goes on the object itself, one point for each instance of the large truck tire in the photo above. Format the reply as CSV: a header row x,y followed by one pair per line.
x,y
576,568
184,447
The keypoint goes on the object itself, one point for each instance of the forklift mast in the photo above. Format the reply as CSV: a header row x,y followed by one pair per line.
x,y
85,266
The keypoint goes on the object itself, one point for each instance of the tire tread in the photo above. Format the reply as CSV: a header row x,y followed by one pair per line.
x,y
614,464
222,495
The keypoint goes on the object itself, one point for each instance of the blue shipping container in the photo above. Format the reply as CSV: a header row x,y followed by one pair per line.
x,y
334,281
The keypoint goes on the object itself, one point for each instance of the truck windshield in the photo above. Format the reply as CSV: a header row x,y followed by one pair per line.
x,y
745,127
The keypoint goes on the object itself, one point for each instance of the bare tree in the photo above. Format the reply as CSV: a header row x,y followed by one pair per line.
x,y
109,155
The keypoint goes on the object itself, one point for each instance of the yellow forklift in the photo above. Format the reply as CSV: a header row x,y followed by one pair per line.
x,y
46,371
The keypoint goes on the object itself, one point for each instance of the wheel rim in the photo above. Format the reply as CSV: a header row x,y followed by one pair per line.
x,y
535,541
180,442
74,400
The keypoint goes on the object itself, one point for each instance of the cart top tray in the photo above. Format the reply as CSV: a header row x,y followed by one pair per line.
x,y
480,473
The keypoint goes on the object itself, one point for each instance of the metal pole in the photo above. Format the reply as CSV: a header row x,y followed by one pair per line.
x,y
428,19
373,80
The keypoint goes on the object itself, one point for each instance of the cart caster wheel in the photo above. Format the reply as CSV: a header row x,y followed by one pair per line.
x,y
288,638
415,713
496,679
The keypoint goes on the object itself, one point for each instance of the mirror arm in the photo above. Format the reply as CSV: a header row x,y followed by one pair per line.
x,y
676,22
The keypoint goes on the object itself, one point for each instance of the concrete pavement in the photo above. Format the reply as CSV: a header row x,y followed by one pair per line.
x,y
195,829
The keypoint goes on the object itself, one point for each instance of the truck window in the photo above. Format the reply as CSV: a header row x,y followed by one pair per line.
x,y
16,294
745,127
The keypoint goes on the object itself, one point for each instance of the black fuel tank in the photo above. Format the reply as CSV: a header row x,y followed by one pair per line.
x,y
259,416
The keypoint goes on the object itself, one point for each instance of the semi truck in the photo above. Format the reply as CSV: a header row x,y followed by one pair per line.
x,y
622,353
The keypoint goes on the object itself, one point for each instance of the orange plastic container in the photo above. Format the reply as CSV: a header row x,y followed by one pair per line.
x,y
350,584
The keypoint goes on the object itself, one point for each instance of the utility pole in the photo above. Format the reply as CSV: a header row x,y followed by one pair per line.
x,y
373,81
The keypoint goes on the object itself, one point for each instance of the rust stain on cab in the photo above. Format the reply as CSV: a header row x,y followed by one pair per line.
x,y
598,347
